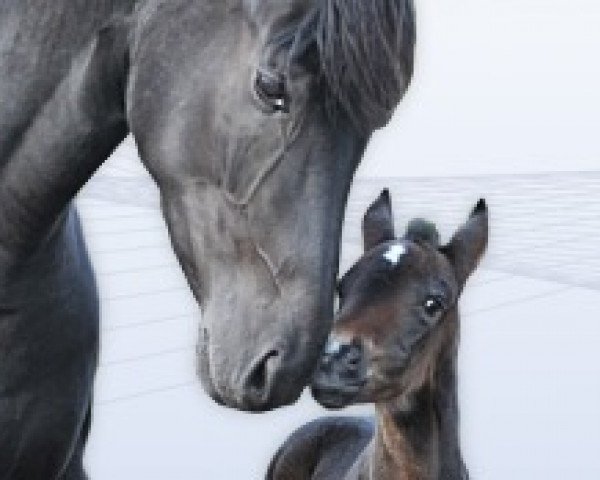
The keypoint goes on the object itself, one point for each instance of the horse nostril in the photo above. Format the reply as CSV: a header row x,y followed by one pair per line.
x,y
353,362
258,381
351,356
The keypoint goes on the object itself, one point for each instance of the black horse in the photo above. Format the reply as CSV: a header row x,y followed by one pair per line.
x,y
251,115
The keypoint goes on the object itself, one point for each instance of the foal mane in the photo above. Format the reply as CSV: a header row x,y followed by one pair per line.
x,y
366,51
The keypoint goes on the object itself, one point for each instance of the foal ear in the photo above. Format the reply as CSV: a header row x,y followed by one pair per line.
x,y
469,243
378,222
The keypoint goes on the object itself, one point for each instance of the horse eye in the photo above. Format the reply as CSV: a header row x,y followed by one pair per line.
x,y
271,89
433,306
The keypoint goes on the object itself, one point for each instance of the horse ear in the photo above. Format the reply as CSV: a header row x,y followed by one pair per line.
x,y
378,222
468,244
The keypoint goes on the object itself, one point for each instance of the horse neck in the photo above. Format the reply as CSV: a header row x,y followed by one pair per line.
x,y
446,406
68,139
417,438
406,442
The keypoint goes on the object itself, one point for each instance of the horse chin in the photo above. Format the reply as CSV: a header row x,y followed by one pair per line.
x,y
253,370
334,398
203,368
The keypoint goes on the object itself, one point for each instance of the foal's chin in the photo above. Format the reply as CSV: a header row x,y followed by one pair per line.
x,y
338,396
335,398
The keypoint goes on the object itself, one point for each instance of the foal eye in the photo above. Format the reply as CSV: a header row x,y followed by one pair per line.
x,y
433,306
271,89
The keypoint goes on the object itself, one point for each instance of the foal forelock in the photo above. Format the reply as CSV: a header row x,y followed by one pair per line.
x,y
366,49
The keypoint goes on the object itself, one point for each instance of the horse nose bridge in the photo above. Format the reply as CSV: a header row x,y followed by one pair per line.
x,y
345,349
346,330
367,325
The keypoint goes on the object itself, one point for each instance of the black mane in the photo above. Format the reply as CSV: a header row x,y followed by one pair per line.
x,y
366,50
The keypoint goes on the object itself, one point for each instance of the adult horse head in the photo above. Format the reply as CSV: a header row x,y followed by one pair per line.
x,y
252,116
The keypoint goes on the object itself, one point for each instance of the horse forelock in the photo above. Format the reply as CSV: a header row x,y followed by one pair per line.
x,y
366,50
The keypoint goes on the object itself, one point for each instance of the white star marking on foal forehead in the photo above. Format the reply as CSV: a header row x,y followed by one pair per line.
x,y
394,253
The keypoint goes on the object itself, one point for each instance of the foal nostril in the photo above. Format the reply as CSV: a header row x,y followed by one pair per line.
x,y
343,358
351,356
258,382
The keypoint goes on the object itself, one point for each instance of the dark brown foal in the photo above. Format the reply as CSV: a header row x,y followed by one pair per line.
x,y
394,344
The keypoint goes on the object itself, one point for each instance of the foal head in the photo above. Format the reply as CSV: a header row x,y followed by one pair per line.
x,y
398,308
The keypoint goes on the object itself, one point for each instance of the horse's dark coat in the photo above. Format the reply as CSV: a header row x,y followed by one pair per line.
x,y
48,352
319,448
253,195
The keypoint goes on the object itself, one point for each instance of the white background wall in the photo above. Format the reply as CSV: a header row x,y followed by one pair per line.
x,y
502,86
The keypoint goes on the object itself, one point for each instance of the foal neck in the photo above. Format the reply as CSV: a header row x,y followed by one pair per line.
x,y
417,436
406,443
